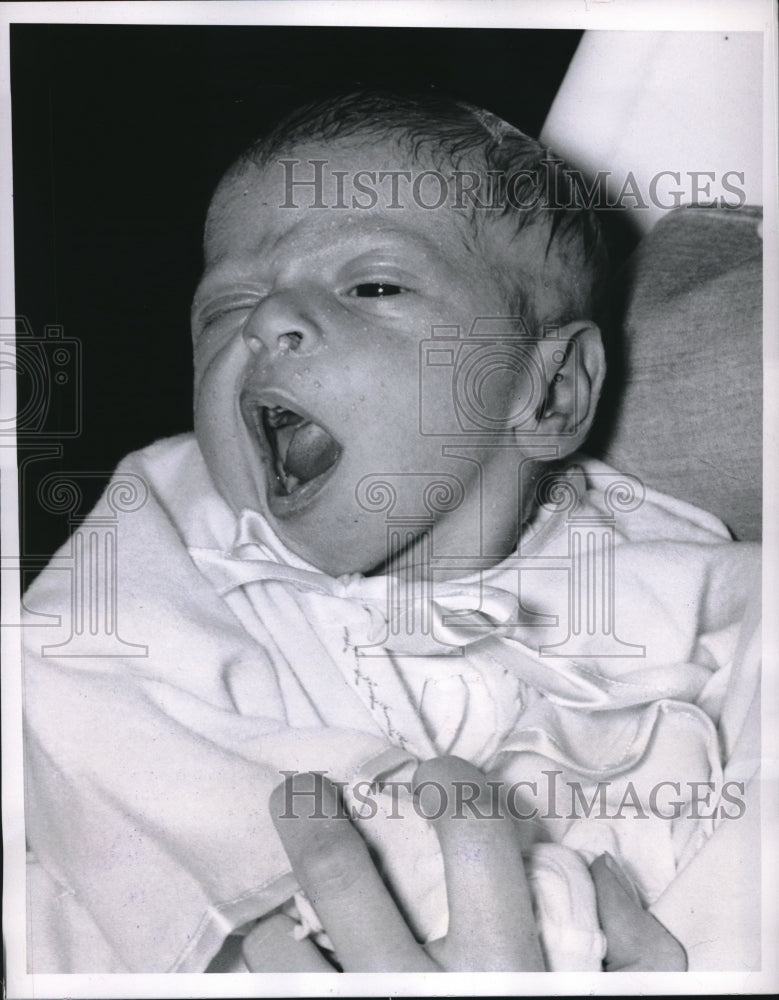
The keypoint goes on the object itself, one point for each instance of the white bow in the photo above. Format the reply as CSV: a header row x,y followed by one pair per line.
x,y
416,620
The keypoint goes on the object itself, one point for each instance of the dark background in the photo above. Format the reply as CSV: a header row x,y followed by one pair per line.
x,y
120,134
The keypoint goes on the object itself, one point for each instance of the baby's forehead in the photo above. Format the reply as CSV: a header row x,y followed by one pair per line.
x,y
319,171
347,183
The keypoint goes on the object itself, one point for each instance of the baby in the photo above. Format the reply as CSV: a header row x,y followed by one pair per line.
x,y
380,547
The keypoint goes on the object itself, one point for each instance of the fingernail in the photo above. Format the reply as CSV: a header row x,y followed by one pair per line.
x,y
622,877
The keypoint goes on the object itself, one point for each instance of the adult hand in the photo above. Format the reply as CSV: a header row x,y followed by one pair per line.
x,y
491,923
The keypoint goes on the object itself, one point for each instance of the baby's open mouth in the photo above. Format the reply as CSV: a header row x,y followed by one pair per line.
x,y
302,450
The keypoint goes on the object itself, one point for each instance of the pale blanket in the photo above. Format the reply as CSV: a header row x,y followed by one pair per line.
x,y
148,773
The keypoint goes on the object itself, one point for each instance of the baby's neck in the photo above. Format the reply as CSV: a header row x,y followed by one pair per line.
x,y
423,560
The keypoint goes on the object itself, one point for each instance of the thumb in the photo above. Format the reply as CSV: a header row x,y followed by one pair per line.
x,y
635,940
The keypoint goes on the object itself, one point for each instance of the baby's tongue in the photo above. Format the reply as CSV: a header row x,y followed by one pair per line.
x,y
311,452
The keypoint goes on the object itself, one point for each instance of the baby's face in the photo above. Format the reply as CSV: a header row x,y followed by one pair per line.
x,y
307,325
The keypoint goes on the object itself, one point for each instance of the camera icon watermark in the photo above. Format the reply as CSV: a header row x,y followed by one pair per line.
x,y
43,378
486,391
48,372
48,381
464,375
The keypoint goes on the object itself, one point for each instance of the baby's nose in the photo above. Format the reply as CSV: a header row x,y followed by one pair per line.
x,y
281,324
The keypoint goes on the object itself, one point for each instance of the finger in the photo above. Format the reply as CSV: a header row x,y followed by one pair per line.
x,y
491,922
272,947
334,868
635,940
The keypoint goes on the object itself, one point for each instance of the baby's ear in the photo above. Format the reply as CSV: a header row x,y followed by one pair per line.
x,y
574,367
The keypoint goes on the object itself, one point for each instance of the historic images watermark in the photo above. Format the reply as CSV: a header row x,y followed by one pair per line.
x,y
313,184
546,797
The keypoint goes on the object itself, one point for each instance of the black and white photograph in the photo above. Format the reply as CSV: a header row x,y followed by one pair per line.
x,y
389,498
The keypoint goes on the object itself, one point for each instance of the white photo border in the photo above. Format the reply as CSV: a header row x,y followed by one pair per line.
x,y
682,15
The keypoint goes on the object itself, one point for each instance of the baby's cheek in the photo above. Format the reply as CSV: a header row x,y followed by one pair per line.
x,y
219,426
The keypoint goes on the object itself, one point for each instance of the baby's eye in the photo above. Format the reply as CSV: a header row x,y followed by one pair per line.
x,y
217,314
376,290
